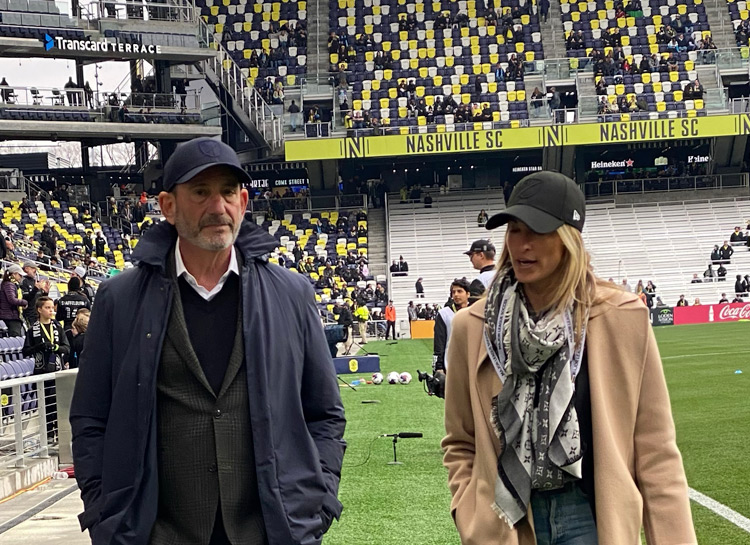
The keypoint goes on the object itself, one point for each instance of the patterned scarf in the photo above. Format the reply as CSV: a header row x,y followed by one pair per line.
x,y
534,414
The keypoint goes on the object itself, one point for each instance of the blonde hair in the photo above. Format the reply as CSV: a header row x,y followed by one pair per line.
x,y
81,322
576,282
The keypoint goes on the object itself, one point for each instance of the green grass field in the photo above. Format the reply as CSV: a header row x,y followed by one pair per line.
x,y
408,504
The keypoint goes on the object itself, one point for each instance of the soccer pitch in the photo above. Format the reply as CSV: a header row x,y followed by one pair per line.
x,y
397,504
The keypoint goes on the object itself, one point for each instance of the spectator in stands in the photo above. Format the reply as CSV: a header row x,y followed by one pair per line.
x,y
553,99
697,302
694,90
100,244
32,289
89,94
74,99
737,299
723,299
25,206
715,254
180,89
69,304
6,93
344,313
726,252
625,286
537,99
660,303
739,285
482,218
77,335
682,302
403,266
709,273
419,288
12,301
721,273
443,320
737,235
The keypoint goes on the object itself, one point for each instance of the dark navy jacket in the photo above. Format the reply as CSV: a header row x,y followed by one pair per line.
x,y
295,407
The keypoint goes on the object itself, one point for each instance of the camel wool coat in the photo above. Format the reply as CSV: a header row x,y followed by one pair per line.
x,y
638,473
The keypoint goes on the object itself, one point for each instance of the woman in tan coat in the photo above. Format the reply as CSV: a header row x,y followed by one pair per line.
x,y
559,428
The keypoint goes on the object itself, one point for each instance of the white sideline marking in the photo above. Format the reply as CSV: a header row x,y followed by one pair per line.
x,y
705,354
720,509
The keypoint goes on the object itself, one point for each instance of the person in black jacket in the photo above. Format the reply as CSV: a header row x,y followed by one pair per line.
x,y
345,319
80,272
715,254
726,252
68,305
100,244
77,335
739,287
47,344
205,334
460,297
32,289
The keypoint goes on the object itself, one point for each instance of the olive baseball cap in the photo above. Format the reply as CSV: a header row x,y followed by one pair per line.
x,y
544,201
194,156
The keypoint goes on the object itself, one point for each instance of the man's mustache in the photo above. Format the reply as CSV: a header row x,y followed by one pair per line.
x,y
216,220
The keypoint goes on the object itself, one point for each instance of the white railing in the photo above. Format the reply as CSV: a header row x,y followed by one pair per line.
x,y
29,424
246,96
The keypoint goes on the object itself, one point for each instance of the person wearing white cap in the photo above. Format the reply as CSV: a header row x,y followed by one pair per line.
x,y
11,300
80,273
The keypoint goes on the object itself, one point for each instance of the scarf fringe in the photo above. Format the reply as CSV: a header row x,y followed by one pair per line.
x,y
501,514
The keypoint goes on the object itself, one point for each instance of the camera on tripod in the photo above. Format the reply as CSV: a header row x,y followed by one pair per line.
x,y
433,385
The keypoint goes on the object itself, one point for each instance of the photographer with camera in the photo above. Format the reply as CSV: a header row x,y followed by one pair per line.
x,y
460,299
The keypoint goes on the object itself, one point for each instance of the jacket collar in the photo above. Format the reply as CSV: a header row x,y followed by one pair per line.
x,y
253,242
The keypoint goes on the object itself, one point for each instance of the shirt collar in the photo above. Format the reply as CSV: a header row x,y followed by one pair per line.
x,y
181,270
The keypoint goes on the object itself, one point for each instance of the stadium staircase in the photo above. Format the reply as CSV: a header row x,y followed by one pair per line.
x,y
433,240
238,98
722,30
376,236
317,45
553,38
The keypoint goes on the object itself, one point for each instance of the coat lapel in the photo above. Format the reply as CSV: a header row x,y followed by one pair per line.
x,y
488,384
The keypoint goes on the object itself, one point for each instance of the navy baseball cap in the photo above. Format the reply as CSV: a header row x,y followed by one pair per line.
x,y
544,201
194,156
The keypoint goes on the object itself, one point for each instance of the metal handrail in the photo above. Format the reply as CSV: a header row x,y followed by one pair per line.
x,y
249,99
612,188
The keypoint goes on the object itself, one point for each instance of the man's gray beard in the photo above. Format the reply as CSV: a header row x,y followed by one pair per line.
x,y
196,240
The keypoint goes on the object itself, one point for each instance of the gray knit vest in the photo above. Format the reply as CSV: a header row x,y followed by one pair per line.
x,y
205,444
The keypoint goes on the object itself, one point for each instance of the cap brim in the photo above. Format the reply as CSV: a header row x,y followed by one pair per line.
x,y
537,220
190,174
469,252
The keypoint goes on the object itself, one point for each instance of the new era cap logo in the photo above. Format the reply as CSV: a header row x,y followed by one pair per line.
x,y
210,148
49,42
576,216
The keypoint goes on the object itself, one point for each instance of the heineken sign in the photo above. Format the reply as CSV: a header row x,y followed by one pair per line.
x,y
101,46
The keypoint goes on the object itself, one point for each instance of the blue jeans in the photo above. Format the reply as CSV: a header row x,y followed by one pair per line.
x,y
563,517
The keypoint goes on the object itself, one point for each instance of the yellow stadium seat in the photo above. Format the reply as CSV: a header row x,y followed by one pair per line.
x,y
681,9
674,77
575,16
624,117
396,54
625,40
369,55
661,106
657,87
646,78
423,73
594,24
689,65
491,30
466,98
519,47
476,69
440,127
677,95
486,68
511,96
529,56
366,95
620,89
384,103
449,62
464,32
478,126
403,130
421,120
514,124
357,104
375,84
520,95
387,75
492,87
420,91
699,104
413,64
429,100
692,113
430,34
385,46
422,53
437,81
393,92
475,50
430,52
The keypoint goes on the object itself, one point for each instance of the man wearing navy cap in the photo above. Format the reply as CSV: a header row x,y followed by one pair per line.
x,y
482,257
206,409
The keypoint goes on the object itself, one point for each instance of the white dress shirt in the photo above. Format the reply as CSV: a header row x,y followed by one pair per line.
x,y
233,267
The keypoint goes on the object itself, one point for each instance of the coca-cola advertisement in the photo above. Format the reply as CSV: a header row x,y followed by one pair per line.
x,y
728,312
